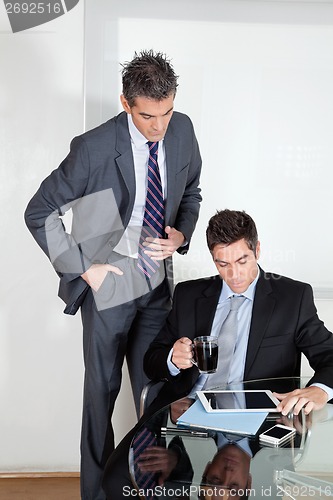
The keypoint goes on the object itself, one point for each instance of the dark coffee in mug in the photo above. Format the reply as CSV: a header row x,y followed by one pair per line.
x,y
206,353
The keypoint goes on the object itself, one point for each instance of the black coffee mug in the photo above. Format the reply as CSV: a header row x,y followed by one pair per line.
x,y
205,354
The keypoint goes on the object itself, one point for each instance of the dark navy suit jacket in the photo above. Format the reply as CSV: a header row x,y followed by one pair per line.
x,y
284,325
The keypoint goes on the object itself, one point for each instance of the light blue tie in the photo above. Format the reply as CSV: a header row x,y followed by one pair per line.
x,y
227,343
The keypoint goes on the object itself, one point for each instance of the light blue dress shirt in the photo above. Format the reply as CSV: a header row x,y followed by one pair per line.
x,y
244,322
222,440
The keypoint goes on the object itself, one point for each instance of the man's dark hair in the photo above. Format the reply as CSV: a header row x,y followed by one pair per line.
x,y
150,75
242,493
229,226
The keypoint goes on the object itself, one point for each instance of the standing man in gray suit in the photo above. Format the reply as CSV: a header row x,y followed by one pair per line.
x,y
116,262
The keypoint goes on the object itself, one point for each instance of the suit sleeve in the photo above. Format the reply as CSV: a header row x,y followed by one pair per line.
x,y
315,340
188,210
155,360
184,164
183,471
56,195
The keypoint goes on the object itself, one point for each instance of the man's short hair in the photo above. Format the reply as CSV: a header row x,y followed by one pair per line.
x,y
228,226
150,75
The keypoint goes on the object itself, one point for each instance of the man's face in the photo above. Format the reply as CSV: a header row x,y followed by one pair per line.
x,y
236,264
150,117
228,473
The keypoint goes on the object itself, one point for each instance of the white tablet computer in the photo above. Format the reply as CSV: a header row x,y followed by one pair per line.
x,y
236,401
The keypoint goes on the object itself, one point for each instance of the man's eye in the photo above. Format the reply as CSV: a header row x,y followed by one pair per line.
x,y
216,481
242,261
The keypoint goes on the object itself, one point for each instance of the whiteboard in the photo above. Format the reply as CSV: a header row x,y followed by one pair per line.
x,y
256,78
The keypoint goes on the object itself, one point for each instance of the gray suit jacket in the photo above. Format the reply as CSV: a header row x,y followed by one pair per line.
x,y
97,181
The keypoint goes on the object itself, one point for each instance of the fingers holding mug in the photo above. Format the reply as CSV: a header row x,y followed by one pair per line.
x,y
182,353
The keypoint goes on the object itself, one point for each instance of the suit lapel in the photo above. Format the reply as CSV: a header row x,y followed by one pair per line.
x,y
171,144
205,307
263,307
125,162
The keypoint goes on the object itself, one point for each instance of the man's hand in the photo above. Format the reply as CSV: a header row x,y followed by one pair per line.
x,y
309,398
158,459
182,353
177,408
96,274
160,248
296,422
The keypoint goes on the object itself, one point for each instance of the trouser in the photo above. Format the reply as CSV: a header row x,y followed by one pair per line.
x,y
110,334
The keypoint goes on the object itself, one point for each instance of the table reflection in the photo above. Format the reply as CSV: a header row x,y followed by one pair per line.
x,y
209,465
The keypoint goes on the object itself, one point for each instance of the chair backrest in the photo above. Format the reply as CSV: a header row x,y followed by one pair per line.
x,y
148,393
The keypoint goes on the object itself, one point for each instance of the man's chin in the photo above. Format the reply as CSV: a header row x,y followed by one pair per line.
x,y
155,137
238,288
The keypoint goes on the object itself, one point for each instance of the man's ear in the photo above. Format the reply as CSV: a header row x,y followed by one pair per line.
x,y
125,104
258,250
249,482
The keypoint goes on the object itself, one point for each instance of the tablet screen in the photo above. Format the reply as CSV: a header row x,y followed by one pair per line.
x,y
238,400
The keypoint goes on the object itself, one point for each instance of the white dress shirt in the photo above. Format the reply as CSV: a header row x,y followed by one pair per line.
x,y
128,244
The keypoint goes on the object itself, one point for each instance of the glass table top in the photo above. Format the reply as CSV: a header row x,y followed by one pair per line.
x,y
167,461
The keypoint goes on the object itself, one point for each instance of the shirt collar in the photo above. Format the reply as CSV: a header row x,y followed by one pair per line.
x,y
226,291
137,138
242,442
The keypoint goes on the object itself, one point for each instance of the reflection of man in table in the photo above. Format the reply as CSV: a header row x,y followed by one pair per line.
x,y
228,473
159,461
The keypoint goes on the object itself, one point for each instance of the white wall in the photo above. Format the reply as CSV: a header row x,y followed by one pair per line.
x,y
42,104
41,108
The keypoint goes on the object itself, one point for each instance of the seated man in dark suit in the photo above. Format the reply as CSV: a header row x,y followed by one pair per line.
x,y
277,322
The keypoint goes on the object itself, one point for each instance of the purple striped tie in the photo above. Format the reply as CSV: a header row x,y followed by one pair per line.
x,y
144,480
153,218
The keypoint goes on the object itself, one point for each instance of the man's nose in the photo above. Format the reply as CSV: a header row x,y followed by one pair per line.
x,y
233,272
228,467
158,124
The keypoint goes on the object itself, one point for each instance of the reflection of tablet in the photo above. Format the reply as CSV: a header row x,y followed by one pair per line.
x,y
214,401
